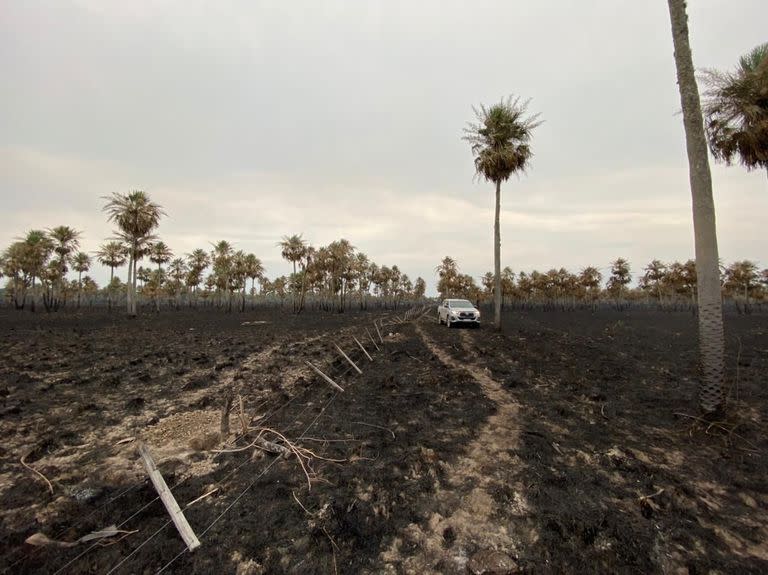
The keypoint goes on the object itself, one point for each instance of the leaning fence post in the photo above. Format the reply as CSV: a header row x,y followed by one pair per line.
x,y
379,332
352,363
365,351
325,377
168,500
373,341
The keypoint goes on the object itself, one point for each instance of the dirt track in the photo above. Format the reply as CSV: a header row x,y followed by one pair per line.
x,y
538,448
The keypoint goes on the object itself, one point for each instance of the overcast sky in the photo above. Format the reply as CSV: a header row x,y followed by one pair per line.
x,y
251,120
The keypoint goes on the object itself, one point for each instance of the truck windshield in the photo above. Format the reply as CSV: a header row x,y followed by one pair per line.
x,y
459,303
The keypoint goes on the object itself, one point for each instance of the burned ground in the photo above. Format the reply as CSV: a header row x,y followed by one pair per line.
x,y
566,443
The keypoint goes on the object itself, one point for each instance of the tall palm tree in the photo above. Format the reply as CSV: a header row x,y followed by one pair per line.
x,y
160,254
741,278
341,263
447,271
655,273
136,217
80,263
711,336
66,241
736,111
500,142
362,272
254,269
38,248
198,260
589,280
419,288
113,255
221,261
293,249
238,277
177,271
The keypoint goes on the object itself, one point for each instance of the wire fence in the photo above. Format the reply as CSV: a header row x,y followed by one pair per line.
x,y
336,367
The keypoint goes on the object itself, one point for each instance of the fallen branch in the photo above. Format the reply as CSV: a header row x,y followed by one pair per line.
x,y
35,471
719,425
42,540
191,503
646,497
300,504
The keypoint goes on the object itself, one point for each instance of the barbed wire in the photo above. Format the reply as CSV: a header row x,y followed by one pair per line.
x,y
266,418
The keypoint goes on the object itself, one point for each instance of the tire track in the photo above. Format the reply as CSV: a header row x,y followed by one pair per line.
x,y
470,483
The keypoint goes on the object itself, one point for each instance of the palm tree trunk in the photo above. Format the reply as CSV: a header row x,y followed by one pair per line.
x,y
497,261
109,291
128,286
711,337
79,287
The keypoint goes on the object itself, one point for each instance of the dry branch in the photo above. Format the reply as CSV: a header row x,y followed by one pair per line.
x,y
719,425
42,540
646,497
203,496
35,471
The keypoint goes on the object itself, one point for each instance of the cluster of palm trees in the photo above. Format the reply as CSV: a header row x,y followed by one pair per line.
x,y
37,265
332,276
669,285
327,277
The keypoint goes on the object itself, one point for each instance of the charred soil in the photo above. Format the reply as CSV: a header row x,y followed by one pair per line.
x,y
567,443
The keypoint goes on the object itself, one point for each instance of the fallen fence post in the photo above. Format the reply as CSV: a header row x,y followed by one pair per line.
x,y
168,500
325,377
379,332
373,341
365,351
352,363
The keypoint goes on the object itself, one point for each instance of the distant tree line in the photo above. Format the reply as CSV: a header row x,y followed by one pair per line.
x,y
38,269
671,285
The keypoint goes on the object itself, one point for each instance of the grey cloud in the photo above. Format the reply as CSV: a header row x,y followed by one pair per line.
x,y
252,120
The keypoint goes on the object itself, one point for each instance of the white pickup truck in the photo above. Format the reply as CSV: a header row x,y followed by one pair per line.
x,y
457,312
